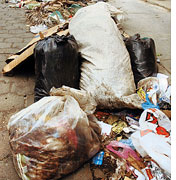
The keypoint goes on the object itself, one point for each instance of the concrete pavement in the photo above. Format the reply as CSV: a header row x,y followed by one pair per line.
x,y
16,92
162,3
149,21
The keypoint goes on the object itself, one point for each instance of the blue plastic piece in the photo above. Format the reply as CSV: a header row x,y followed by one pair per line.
x,y
98,158
148,104
128,142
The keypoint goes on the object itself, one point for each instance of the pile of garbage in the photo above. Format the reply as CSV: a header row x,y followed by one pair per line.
x,y
53,12
98,99
42,15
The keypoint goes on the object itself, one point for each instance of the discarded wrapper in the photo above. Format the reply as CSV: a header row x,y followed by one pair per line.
x,y
118,126
105,128
98,158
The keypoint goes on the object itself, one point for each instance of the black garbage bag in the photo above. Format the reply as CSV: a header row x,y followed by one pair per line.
x,y
56,64
143,56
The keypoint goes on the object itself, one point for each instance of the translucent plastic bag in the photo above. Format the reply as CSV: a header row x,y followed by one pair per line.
x,y
53,137
156,146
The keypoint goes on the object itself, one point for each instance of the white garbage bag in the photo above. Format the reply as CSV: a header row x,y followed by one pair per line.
x,y
156,146
106,70
153,138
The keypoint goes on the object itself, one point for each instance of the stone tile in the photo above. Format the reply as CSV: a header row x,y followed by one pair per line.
x,y
5,45
23,88
9,50
5,119
16,31
11,101
3,57
14,40
166,64
84,173
5,87
4,148
7,170
18,45
29,100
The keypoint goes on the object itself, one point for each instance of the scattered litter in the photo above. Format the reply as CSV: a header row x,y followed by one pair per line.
x,y
52,13
147,142
32,5
128,142
154,91
105,128
56,15
118,127
158,60
38,28
98,158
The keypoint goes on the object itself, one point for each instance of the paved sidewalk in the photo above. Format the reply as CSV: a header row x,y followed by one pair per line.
x,y
15,92
162,3
149,21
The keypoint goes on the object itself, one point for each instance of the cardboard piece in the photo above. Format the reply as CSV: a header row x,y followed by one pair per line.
x,y
28,50
167,112
127,178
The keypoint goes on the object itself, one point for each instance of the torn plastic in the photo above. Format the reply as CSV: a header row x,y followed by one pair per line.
x,y
156,146
56,16
105,128
111,86
124,153
56,64
154,91
143,56
36,29
52,137
128,142
153,118
85,100
154,172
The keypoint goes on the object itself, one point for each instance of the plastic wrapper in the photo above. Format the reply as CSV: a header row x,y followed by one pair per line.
x,y
53,137
155,91
153,119
118,126
56,64
126,153
154,172
143,56
106,69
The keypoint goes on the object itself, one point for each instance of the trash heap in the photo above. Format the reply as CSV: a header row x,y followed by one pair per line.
x,y
42,15
98,99
53,12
